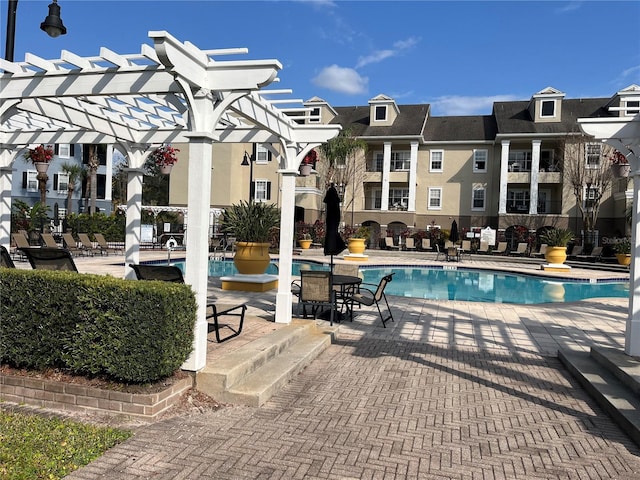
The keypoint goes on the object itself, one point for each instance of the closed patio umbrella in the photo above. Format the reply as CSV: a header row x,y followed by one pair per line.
x,y
333,243
454,236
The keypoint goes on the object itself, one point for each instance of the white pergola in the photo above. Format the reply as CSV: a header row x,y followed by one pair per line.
x,y
623,134
172,92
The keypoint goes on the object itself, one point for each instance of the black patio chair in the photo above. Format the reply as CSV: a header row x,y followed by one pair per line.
x,y
171,273
316,290
5,258
369,296
48,258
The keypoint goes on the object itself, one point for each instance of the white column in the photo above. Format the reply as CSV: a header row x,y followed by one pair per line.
x,y
109,174
285,262
386,168
133,227
533,183
632,333
197,265
6,174
504,174
413,177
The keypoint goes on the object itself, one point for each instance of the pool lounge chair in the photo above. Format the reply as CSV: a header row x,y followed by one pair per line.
x,y
5,258
575,252
425,244
171,273
501,249
521,250
48,258
104,247
49,241
594,256
484,247
541,251
465,249
71,244
85,244
409,243
389,245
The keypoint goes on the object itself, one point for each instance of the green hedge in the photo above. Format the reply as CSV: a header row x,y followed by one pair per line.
x,y
127,330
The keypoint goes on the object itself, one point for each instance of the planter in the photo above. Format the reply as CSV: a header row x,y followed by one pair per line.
x,y
624,258
41,167
556,254
620,170
166,169
356,246
305,170
304,244
252,258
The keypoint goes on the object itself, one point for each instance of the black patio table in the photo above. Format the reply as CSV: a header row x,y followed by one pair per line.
x,y
347,283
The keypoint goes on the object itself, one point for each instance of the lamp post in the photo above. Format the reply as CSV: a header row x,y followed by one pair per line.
x,y
52,25
248,160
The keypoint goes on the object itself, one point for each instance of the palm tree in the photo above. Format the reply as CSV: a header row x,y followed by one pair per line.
x,y
92,165
75,173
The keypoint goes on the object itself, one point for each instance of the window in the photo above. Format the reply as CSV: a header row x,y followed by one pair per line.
x,y
378,160
380,113
400,160
518,201
593,152
262,154
633,107
435,198
262,190
480,158
314,115
590,197
437,160
30,180
64,150
478,198
547,163
398,198
548,108
377,199
519,161
61,182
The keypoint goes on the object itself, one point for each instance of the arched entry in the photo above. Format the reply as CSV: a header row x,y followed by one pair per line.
x,y
298,215
374,237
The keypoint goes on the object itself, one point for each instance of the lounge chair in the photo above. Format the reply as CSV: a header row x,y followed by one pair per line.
x,y
49,241
389,245
48,258
5,258
465,249
521,250
369,296
104,247
85,244
71,244
425,244
21,241
439,252
409,243
594,256
501,249
484,247
170,273
453,254
541,251
575,252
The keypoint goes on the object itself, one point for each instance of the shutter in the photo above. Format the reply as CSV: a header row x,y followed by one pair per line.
x,y
252,190
269,155
24,179
55,181
56,149
268,190
72,150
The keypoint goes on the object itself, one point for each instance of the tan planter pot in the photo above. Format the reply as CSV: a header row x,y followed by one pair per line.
x,y
41,167
304,244
356,246
624,258
165,169
556,254
305,170
252,258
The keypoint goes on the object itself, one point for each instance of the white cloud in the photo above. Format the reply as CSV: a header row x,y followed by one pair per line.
x,y
341,79
381,55
461,105
569,7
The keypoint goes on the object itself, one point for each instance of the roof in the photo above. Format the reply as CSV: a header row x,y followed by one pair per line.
x,y
410,121
514,117
460,128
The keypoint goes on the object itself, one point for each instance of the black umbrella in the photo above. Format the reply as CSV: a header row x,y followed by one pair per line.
x,y
454,236
333,243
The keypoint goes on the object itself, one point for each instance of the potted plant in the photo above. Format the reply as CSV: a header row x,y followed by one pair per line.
x,y
356,239
304,240
308,163
40,156
165,157
619,165
556,240
251,224
623,251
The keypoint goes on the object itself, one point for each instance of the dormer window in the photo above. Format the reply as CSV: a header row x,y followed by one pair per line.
x,y
314,115
548,108
380,113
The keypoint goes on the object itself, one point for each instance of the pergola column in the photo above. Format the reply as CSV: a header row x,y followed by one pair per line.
x,y
6,175
133,228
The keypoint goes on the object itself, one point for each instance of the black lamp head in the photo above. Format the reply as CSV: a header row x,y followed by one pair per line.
x,y
53,23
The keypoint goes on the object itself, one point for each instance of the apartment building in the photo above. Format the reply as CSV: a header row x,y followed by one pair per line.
x,y
500,170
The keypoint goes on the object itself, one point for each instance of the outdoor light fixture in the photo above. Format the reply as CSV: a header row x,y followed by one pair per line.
x,y
53,23
247,160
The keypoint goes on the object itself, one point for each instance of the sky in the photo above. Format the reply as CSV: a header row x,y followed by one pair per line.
x,y
458,56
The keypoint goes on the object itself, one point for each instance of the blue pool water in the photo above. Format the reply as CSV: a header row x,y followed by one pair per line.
x,y
463,284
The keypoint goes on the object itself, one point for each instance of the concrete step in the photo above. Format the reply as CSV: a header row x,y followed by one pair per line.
x,y
625,367
253,373
621,402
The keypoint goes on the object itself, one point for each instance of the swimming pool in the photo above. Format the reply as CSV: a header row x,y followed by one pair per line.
x,y
465,284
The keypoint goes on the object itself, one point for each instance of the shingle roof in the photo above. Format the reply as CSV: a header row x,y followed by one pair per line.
x,y
452,129
514,117
409,122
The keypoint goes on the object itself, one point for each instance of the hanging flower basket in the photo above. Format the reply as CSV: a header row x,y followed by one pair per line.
x,y
165,158
305,170
41,167
165,169
40,156
308,163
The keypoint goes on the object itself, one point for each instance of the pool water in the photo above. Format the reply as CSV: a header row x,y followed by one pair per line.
x,y
463,284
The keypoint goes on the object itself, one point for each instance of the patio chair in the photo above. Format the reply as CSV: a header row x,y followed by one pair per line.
x,y
71,244
409,243
452,254
484,247
425,244
369,296
5,258
49,241
85,244
440,252
465,249
501,249
594,256
576,251
316,290
104,247
521,250
171,273
541,251
21,241
48,258
389,245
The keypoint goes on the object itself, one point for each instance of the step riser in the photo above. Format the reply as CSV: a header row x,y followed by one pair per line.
x,y
607,359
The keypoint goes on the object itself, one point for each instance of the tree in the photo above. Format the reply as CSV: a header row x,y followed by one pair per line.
x,y
75,173
588,171
340,165
155,190
93,164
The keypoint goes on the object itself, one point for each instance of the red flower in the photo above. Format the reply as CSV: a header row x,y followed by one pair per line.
x,y
165,155
40,154
617,158
310,158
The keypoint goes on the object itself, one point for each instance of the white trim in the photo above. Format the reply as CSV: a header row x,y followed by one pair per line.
x,y
477,188
555,107
434,189
486,160
431,160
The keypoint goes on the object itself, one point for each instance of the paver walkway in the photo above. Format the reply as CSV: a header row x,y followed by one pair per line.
x,y
451,390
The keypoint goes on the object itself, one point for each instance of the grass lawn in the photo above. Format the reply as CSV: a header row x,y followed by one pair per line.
x,y
34,447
